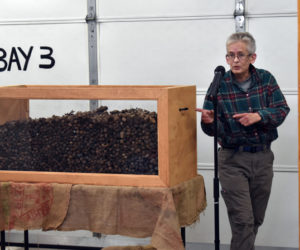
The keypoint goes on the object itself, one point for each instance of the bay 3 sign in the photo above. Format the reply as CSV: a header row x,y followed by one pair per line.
x,y
16,56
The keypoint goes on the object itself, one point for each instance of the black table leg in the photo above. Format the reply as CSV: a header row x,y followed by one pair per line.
x,y
26,242
183,235
2,240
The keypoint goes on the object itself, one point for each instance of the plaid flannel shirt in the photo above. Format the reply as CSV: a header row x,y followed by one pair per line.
x,y
264,96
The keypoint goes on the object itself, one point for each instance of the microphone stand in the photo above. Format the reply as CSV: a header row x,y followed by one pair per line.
x,y
216,178
219,73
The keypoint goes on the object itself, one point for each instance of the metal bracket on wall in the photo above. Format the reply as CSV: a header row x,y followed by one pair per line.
x,y
239,16
91,20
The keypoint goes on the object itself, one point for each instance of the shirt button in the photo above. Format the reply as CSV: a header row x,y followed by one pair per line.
x,y
255,133
247,94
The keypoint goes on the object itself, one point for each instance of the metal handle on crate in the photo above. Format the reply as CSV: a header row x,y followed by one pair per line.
x,y
183,109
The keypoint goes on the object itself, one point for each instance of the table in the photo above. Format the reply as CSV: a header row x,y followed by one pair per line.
x,y
122,210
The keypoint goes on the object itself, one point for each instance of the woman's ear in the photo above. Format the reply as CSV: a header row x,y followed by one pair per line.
x,y
253,58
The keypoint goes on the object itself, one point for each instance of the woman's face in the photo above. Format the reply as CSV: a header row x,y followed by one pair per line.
x,y
239,60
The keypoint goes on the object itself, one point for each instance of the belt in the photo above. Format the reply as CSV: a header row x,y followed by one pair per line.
x,y
249,148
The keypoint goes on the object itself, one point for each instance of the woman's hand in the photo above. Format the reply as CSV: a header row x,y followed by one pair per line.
x,y
247,119
207,115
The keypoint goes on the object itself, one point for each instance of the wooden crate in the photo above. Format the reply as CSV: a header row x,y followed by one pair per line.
x,y
176,121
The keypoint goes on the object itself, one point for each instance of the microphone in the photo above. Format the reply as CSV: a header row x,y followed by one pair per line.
x,y
214,86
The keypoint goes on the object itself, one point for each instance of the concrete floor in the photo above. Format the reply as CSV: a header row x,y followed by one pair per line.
x,y
189,246
195,246
85,238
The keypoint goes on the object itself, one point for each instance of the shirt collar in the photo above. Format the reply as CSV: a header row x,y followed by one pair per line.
x,y
229,75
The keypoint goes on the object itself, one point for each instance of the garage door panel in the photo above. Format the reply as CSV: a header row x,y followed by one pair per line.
x,y
42,9
172,52
271,6
113,8
69,63
277,50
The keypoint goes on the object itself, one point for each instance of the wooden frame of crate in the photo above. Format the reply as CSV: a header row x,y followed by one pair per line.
x,y
176,126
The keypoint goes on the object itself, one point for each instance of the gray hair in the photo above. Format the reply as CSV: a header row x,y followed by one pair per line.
x,y
245,37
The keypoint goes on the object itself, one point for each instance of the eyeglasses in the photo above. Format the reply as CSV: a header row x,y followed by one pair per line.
x,y
240,56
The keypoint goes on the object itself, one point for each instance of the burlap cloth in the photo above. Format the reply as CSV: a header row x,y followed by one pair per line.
x,y
33,206
128,211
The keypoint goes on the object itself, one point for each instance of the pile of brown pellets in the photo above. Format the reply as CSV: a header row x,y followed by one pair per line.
x,y
86,142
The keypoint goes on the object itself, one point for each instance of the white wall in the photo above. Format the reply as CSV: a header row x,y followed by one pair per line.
x,y
170,42
57,24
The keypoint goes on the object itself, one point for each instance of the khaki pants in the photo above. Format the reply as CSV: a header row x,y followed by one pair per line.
x,y
246,180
